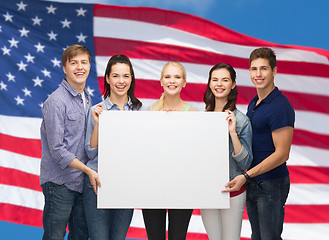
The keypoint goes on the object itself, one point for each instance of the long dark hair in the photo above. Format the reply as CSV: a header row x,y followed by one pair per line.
x,y
209,97
120,58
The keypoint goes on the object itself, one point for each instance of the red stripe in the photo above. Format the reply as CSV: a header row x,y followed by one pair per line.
x,y
166,52
303,214
151,89
299,101
298,175
306,138
21,215
140,233
189,23
308,175
24,146
18,178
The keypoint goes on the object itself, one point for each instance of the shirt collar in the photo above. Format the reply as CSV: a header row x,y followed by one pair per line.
x,y
108,104
269,97
71,90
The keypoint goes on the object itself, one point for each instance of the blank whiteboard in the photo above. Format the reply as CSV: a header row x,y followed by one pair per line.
x,y
163,160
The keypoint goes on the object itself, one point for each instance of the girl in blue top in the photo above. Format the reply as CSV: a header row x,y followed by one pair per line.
x,y
220,96
119,95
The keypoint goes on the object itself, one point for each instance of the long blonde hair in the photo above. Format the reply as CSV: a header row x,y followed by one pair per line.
x,y
158,105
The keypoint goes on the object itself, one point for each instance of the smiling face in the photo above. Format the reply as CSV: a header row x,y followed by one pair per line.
x,y
119,80
221,83
172,79
262,75
77,70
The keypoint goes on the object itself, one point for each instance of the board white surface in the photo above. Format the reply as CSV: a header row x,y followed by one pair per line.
x,y
163,160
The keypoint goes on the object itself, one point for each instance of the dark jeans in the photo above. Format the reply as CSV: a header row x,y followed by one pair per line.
x,y
104,224
265,206
63,207
155,223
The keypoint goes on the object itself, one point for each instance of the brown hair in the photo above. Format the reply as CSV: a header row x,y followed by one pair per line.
x,y
120,58
264,52
209,97
73,51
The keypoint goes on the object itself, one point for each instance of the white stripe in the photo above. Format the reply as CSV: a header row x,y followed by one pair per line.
x,y
295,231
309,194
21,197
136,30
308,156
19,162
23,127
198,73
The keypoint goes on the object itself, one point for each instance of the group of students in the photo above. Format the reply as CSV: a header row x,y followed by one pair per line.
x,y
259,146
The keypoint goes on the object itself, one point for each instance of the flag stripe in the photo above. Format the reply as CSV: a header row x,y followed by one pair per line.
x,y
25,146
19,179
310,175
299,195
198,73
20,214
166,52
194,25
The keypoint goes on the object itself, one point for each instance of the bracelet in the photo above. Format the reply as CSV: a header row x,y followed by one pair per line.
x,y
246,175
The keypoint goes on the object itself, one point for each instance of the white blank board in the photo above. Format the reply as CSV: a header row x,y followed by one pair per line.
x,y
163,160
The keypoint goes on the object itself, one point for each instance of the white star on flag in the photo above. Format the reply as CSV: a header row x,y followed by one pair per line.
x,y
24,32
39,47
5,50
27,92
36,21
51,9
29,58
52,35
13,43
37,81
19,100
56,62
10,77
81,11
22,66
8,17
21,6
66,23
46,73
81,38
3,86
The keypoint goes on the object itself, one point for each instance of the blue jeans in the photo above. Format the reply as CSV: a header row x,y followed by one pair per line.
x,y
63,207
105,224
265,206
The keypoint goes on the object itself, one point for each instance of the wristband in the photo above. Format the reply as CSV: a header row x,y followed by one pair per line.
x,y
246,175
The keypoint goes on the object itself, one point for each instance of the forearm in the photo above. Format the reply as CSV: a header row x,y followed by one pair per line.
x,y
94,137
77,164
269,163
236,142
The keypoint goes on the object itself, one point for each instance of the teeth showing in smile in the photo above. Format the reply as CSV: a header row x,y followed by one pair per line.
x,y
120,87
79,74
172,86
218,90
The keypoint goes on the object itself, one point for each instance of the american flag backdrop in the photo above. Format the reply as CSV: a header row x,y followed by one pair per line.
x,y
33,36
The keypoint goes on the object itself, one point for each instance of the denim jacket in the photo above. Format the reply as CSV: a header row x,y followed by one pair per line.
x,y
241,161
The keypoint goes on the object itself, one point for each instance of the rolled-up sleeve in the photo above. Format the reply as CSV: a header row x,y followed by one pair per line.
x,y
54,127
245,156
91,152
